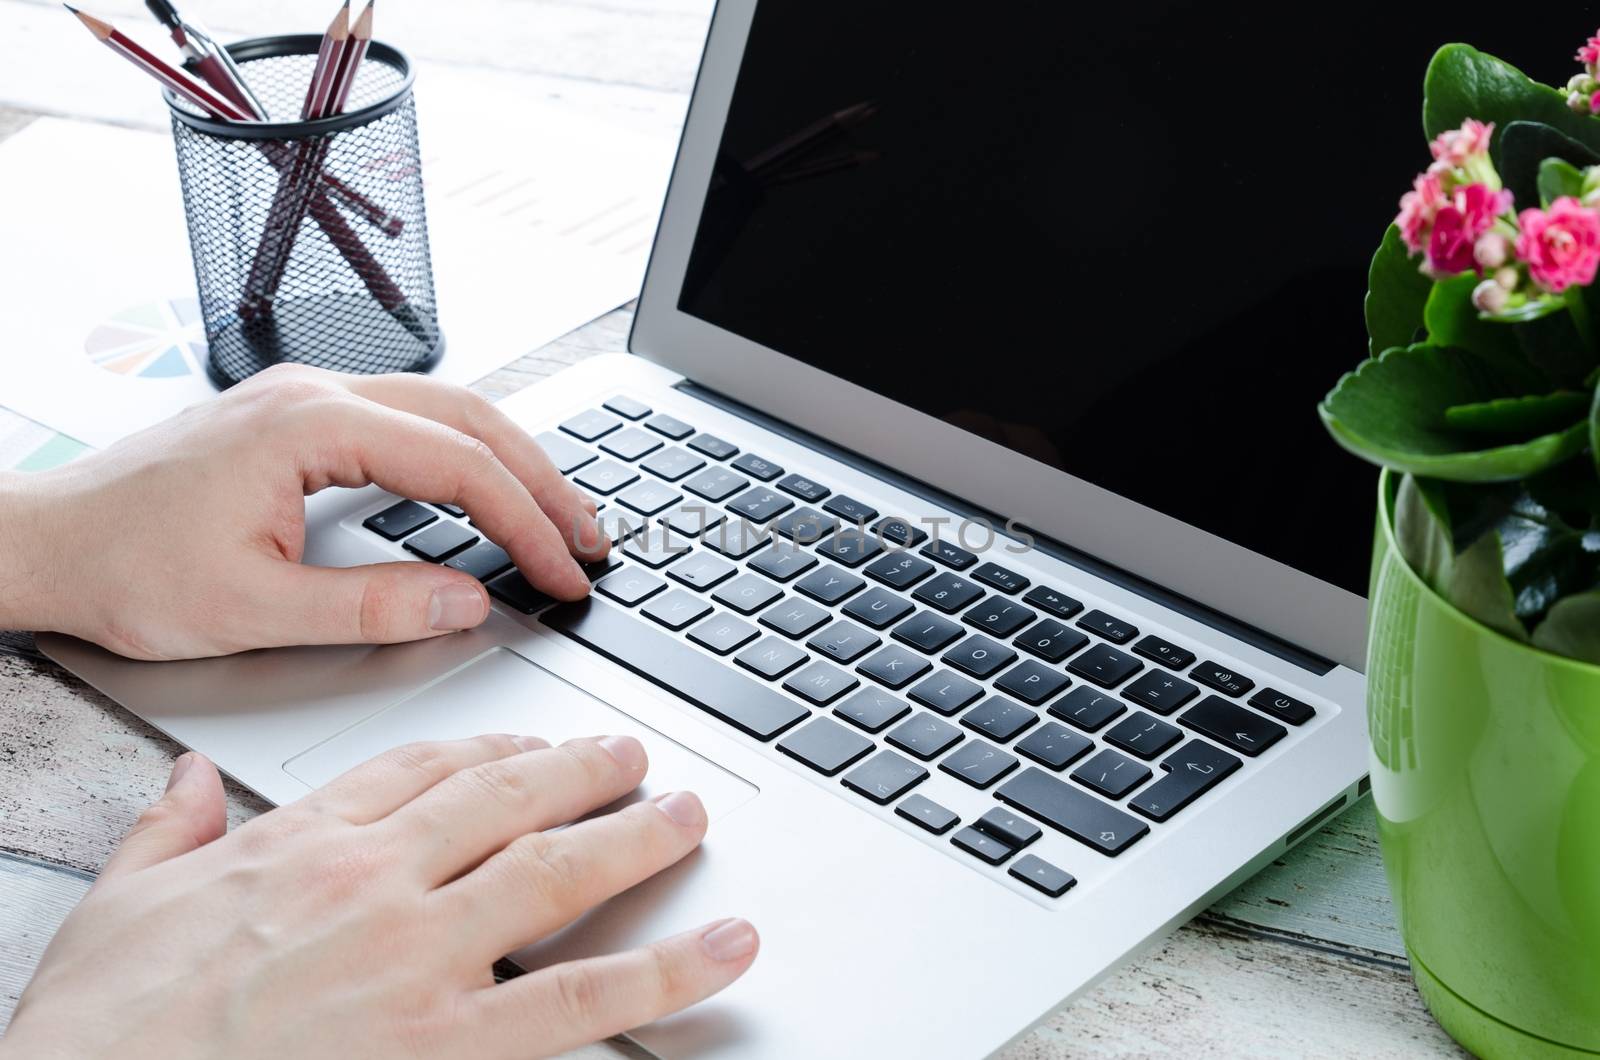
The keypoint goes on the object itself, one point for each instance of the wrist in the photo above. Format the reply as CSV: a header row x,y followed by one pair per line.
x,y
31,580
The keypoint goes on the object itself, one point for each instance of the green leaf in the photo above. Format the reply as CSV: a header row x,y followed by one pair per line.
x,y
1557,178
1472,580
1452,320
1396,294
1391,411
1524,416
1544,559
1463,83
1551,341
1572,628
1526,144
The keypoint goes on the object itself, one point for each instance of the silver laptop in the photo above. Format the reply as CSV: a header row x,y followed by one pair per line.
x,y
974,578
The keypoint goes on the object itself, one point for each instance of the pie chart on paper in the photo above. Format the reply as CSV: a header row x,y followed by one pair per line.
x,y
157,340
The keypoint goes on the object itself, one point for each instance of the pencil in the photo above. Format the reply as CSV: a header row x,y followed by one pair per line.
x,y
175,79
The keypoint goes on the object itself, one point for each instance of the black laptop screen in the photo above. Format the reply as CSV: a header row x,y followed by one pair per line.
x,y
1127,240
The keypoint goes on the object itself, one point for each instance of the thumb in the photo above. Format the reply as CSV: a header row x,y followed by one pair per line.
x,y
190,815
381,603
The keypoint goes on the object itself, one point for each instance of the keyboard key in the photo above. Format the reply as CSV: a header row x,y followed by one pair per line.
x,y
1105,666
439,543
999,616
927,632
829,585
978,763
630,443
901,532
1161,692
620,524
1113,629
1143,735
1012,829
1041,875
925,736
821,683
676,609
805,526
606,477
513,590
483,560
597,569
925,813
899,570
783,561
630,586
872,709
747,594
1054,746
1230,724
1078,814
736,538
946,692
1280,706
691,520
1052,601
649,497
1032,682
1051,640
1111,774
844,641
673,463
770,657
591,425
712,446
950,555
985,848
399,520
757,467
884,777
998,577
825,746
659,657
701,570
849,509
979,656
1222,678
722,633
1192,770
878,608
566,454
849,546
716,484
627,406
758,504
795,617
452,509
895,666
1157,650
803,488
999,718
1087,709
670,426
655,550
948,593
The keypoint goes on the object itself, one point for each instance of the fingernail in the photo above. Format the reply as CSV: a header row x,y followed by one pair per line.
x,y
455,606
731,940
683,807
530,743
626,750
179,768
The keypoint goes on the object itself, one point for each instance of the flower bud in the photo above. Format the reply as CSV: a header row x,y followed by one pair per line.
x,y
1489,297
1508,277
1578,101
1491,250
1579,82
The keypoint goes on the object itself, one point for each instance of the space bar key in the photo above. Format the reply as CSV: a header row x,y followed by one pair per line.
x,y
712,686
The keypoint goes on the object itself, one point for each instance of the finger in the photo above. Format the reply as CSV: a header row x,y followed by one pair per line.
x,y
420,458
379,786
546,880
568,1005
477,811
191,814
572,512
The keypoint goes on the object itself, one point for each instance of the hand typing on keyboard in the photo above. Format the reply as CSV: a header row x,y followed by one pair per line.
x,y
185,540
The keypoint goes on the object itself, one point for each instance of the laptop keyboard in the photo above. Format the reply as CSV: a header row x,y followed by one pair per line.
x,y
859,647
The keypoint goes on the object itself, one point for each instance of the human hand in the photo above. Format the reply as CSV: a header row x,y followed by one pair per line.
x,y
363,919
184,540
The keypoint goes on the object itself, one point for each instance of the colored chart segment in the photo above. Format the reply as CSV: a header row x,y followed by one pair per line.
x,y
157,340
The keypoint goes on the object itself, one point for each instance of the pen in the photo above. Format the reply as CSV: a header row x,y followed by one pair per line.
x,y
204,56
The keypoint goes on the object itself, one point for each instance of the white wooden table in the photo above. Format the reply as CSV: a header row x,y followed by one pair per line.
x,y
1303,960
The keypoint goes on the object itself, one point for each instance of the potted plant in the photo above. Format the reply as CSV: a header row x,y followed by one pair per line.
x,y
1481,401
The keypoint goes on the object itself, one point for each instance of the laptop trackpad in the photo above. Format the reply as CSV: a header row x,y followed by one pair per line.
x,y
500,691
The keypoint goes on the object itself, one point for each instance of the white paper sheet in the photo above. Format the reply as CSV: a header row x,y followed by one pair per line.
x,y
532,237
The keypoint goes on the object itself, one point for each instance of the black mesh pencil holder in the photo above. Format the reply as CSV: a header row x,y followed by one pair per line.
x,y
309,238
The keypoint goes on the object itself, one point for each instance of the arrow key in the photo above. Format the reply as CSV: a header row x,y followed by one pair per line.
x,y
1228,723
1192,770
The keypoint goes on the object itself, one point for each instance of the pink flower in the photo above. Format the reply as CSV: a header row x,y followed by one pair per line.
x,y
1417,209
1561,245
1589,54
1471,212
1594,103
1455,146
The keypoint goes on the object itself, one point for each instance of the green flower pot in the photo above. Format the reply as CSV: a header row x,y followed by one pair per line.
x,y
1486,777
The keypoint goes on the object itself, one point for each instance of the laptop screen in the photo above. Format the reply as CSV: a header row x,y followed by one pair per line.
x,y
1129,241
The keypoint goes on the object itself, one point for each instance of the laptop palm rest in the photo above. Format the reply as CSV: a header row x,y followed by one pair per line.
x,y
500,691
